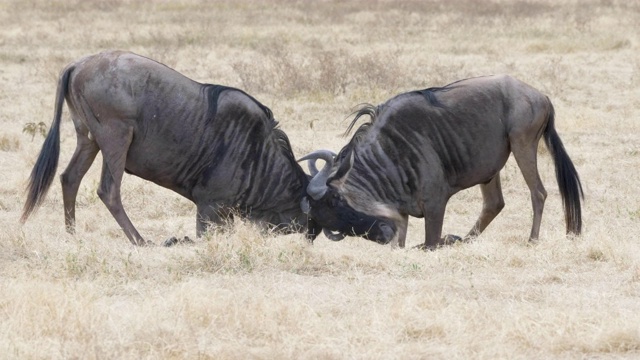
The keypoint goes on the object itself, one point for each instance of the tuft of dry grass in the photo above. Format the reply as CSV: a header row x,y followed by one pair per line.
x,y
8,143
242,293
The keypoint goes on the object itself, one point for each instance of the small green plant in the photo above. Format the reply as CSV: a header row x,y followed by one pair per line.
x,y
32,129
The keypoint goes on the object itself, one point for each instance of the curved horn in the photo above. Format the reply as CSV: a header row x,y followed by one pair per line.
x,y
333,236
313,170
313,157
318,184
311,163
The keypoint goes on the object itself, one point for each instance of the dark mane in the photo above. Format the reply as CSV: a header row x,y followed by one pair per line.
x,y
213,94
430,96
430,93
365,110
369,110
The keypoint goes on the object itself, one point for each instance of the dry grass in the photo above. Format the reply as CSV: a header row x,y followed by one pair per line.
x,y
235,294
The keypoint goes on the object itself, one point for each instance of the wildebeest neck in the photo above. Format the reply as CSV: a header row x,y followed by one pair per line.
x,y
269,190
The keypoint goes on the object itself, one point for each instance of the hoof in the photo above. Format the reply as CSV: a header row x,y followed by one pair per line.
x,y
170,242
173,241
450,239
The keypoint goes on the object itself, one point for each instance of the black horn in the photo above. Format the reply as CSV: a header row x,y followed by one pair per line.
x,y
313,169
318,184
311,163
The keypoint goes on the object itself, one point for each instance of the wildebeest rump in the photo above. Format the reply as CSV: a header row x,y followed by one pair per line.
x,y
422,147
215,145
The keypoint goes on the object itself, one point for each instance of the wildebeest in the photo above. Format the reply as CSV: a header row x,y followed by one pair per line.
x,y
215,145
422,147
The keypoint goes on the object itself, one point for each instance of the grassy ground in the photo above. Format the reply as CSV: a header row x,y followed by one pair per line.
x,y
235,294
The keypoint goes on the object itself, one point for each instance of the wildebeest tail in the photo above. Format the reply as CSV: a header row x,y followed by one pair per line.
x,y
45,168
567,177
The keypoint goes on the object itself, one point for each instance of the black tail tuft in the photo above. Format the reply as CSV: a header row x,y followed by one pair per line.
x,y
45,168
567,177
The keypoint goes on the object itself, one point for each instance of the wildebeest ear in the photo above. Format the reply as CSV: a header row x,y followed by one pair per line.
x,y
345,166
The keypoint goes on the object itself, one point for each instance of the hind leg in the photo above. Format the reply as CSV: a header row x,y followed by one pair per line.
x,y
492,204
114,152
526,157
85,153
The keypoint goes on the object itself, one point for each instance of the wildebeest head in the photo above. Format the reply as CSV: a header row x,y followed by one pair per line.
x,y
327,204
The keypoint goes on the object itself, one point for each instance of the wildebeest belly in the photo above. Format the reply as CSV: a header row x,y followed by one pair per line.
x,y
170,161
469,154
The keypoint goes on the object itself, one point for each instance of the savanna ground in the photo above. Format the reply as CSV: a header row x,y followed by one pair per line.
x,y
240,294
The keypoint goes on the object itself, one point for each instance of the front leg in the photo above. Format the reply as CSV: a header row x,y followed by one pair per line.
x,y
433,219
210,214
